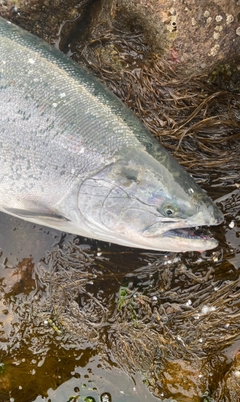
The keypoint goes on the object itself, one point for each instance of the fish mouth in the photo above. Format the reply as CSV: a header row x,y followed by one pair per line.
x,y
181,239
189,233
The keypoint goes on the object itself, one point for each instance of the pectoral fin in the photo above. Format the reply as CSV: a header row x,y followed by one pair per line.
x,y
38,216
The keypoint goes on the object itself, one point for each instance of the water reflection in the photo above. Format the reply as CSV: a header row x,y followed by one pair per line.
x,y
94,379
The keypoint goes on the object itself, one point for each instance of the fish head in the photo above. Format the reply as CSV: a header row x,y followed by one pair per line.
x,y
140,201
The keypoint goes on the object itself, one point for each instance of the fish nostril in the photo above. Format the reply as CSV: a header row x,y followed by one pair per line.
x,y
215,213
219,216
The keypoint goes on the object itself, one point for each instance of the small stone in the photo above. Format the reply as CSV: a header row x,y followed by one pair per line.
x,y
216,35
172,11
206,13
218,18
229,18
194,22
214,50
238,31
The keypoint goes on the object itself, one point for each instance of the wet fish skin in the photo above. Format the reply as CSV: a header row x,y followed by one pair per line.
x,y
74,158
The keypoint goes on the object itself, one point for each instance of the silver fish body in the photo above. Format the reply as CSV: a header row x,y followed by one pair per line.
x,y
74,158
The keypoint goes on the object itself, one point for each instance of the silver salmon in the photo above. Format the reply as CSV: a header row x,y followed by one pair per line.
x,y
74,158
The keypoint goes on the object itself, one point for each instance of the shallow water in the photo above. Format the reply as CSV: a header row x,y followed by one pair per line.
x,y
39,362
83,319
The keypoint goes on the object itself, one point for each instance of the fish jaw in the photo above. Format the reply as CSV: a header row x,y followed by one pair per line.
x,y
188,241
173,240
178,241
182,236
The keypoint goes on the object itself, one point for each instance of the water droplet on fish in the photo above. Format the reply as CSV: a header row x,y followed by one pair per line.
x,y
190,191
31,61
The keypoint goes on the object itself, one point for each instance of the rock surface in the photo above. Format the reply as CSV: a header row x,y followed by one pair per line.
x,y
194,37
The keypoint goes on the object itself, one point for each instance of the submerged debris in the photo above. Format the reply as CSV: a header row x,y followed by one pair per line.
x,y
145,317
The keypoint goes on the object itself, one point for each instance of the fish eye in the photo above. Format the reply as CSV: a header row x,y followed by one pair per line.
x,y
168,209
